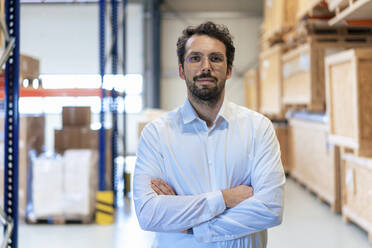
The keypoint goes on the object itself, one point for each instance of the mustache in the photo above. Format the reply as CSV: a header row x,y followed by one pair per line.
x,y
205,75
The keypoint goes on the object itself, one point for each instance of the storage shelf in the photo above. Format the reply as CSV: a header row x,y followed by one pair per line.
x,y
358,10
55,92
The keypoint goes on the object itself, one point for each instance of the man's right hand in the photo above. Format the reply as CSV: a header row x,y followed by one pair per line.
x,y
236,195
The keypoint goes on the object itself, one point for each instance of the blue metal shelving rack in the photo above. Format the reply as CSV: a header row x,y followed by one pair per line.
x,y
114,108
124,93
102,136
12,15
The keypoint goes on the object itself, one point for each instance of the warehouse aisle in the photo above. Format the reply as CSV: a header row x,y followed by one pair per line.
x,y
307,223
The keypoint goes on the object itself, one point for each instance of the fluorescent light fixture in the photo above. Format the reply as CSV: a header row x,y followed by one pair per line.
x,y
55,81
26,83
132,84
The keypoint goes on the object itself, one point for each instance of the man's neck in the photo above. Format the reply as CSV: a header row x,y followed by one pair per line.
x,y
205,111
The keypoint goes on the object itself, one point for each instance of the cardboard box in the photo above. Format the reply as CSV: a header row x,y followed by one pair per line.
x,y
75,138
47,187
29,67
80,182
76,116
84,138
31,138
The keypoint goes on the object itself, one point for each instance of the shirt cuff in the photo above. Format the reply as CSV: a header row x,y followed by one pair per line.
x,y
217,206
216,203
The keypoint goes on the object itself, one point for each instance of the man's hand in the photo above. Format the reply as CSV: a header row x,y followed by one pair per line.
x,y
236,195
161,187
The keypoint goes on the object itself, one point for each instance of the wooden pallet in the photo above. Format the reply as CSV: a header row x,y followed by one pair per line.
x,y
61,220
351,10
323,33
313,8
334,204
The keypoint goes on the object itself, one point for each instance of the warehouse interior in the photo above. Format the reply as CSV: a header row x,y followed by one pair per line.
x,y
82,78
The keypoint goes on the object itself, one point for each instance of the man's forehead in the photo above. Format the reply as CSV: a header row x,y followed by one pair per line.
x,y
197,42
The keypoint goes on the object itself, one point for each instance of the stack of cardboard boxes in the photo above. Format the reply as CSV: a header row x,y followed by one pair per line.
x,y
64,188
77,134
31,141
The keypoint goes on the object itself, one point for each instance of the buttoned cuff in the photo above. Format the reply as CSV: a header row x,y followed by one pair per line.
x,y
216,205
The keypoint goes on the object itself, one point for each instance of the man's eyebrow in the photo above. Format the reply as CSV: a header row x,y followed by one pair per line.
x,y
195,53
216,53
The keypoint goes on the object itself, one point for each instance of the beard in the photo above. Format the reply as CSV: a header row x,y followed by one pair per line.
x,y
206,94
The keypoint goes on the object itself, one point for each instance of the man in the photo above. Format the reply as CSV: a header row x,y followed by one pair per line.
x,y
208,174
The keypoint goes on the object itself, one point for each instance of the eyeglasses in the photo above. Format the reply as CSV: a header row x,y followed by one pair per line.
x,y
215,58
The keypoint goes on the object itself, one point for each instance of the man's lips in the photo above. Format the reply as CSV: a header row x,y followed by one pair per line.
x,y
212,80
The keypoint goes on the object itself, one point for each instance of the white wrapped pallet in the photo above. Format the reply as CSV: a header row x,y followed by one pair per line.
x,y
80,182
47,187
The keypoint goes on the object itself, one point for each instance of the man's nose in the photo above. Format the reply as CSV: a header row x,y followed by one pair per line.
x,y
206,65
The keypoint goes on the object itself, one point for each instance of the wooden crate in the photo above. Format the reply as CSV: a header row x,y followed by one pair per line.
x,y
251,84
352,12
356,191
303,77
270,97
314,161
312,8
349,91
281,130
303,72
337,4
279,17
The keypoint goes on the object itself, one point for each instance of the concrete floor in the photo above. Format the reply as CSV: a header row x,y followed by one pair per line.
x,y
307,223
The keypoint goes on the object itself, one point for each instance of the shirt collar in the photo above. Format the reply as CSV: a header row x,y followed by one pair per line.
x,y
189,114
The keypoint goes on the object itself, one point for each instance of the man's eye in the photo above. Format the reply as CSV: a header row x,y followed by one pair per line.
x,y
216,58
194,59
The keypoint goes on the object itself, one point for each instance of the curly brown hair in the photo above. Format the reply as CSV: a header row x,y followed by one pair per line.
x,y
217,31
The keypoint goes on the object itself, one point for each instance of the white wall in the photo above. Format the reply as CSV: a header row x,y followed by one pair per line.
x,y
65,37
245,30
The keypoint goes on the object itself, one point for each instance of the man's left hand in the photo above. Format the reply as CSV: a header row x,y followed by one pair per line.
x,y
161,187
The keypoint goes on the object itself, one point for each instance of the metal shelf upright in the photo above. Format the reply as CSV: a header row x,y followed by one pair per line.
x,y
114,108
12,8
124,93
102,136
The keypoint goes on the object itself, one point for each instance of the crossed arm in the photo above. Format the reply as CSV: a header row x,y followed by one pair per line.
x,y
231,197
213,216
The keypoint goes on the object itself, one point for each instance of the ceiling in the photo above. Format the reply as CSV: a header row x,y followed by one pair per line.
x,y
249,7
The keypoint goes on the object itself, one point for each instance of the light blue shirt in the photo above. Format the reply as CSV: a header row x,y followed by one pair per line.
x,y
198,162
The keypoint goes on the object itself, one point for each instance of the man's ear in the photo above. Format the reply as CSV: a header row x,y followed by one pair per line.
x,y
229,72
181,72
